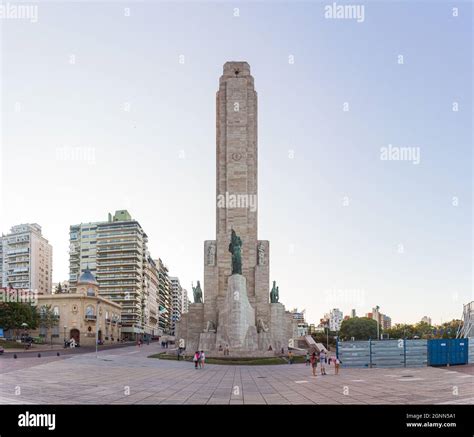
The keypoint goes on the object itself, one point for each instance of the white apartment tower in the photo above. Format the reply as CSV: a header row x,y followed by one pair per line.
x,y
335,319
176,302
26,259
185,303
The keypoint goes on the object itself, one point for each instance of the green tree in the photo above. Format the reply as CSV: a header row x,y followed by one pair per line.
x,y
448,329
14,314
59,288
423,330
48,320
401,330
361,328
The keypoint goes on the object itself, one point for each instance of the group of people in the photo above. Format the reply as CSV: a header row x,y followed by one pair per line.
x,y
199,359
226,350
324,359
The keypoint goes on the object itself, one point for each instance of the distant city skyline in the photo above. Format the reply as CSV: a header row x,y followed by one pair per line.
x,y
365,157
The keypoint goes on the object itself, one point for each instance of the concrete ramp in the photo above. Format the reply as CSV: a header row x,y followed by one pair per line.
x,y
313,346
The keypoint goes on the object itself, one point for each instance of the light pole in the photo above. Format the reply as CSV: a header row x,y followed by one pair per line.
x,y
97,331
378,322
25,333
65,327
327,337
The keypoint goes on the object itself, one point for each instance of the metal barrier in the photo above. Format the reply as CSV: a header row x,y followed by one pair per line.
x,y
353,353
416,354
388,353
383,353
471,350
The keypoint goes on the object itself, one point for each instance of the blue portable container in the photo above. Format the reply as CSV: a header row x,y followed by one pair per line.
x,y
444,351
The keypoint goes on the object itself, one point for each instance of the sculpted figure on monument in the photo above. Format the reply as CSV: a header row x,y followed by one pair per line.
x,y
261,254
274,294
197,292
262,326
235,249
211,326
211,254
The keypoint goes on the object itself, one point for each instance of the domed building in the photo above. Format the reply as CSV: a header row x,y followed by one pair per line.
x,y
87,284
82,316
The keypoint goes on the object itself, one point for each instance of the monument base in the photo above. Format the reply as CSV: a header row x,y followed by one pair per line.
x,y
238,332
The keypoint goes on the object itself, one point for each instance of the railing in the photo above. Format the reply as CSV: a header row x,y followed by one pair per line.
x,y
90,317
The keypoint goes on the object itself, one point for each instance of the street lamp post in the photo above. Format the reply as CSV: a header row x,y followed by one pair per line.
x,y
327,337
378,321
97,331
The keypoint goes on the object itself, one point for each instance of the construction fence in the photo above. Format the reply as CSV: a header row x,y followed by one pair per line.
x,y
405,353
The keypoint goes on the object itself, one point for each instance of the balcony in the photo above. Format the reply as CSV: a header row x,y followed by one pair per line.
x,y
120,255
90,317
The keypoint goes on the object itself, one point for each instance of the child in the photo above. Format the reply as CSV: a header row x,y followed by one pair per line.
x,y
196,359
203,358
337,362
314,363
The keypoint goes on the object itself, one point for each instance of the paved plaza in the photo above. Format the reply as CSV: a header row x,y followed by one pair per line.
x,y
127,376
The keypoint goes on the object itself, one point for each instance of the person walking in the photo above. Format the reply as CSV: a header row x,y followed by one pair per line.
x,y
307,359
290,357
322,361
196,359
314,363
337,363
203,358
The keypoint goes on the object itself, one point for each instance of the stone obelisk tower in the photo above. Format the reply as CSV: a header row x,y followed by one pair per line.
x,y
236,191
236,209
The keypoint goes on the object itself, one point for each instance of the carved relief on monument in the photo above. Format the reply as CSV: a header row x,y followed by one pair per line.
x,y
261,326
211,326
211,254
261,254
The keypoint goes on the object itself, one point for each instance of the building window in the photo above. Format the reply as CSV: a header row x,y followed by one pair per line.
x,y
90,311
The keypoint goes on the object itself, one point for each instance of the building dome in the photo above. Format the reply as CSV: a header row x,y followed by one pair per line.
x,y
87,278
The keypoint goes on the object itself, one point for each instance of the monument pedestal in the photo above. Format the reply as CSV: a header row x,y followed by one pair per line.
x,y
236,324
207,341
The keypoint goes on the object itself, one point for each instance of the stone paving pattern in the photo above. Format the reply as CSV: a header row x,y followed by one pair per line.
x,y
127,376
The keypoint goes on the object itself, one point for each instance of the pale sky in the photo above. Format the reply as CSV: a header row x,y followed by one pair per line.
x,y
100,113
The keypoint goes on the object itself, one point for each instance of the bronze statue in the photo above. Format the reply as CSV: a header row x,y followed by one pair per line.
x,y
235,249
275,293
197,292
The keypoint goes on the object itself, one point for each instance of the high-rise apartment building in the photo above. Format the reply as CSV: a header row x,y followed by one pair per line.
x,y
426,319
164,298
115,251
335,319
384,321
26,259
176,302
185,304
151,292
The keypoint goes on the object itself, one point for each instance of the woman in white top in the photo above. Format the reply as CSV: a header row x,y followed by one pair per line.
x,y
322,361
203,358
